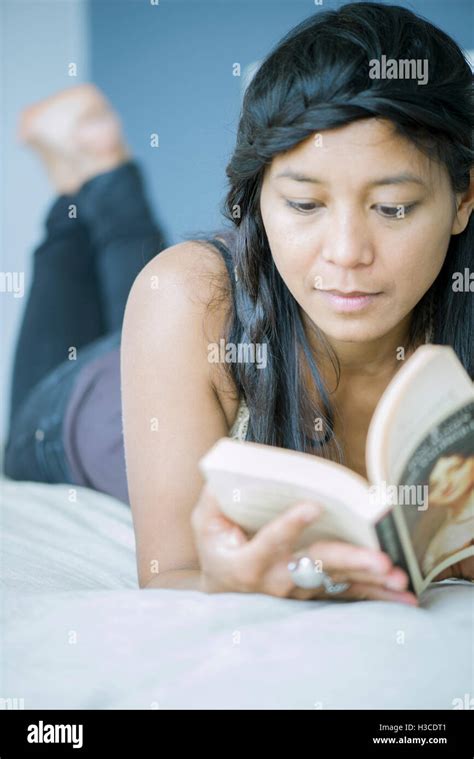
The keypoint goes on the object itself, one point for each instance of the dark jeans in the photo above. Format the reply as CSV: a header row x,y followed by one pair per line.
x,y
82,275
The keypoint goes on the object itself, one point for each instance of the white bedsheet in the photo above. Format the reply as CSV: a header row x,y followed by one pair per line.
x,y
77,633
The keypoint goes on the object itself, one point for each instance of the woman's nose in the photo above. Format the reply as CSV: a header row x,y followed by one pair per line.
x,y
348,243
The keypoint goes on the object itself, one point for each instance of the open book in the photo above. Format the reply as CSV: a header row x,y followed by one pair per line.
x,y
418,505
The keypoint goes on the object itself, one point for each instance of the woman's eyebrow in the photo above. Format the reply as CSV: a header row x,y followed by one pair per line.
x,y
404,178
298,177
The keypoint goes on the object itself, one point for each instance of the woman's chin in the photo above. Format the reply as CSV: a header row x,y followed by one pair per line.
x,y
362,325
350,330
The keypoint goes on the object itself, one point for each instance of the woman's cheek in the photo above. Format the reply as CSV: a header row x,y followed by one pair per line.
x,y
416,271
291,261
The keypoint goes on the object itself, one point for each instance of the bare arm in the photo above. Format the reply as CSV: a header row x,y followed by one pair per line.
x,y
184,579
171,412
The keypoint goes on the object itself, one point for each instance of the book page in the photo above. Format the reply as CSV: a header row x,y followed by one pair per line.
x,y
435,511
428,401
252,502
255,483
426,389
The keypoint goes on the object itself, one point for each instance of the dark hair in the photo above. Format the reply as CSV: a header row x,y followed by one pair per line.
x,y
317,78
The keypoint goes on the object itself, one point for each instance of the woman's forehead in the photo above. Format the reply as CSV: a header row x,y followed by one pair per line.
x,y
370,148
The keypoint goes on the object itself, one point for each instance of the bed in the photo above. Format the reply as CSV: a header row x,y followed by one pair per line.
x,y
78,633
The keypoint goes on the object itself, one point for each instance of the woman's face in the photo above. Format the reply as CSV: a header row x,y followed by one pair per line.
x,y
451,478
364,212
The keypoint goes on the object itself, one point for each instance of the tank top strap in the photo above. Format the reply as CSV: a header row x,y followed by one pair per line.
x,y
222,241
238,431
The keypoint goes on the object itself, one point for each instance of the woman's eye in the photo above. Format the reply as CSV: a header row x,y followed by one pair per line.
x,y
302,207
396,212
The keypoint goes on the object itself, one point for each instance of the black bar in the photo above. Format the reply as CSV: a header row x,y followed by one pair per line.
x,y
134,732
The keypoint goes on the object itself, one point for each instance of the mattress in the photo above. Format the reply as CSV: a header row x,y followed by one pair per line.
x,y
78,633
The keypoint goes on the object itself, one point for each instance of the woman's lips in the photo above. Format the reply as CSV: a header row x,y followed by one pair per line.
x,y
351,301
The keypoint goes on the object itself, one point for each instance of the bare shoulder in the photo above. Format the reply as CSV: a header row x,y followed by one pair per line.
x,y
186,261
185,289
189,276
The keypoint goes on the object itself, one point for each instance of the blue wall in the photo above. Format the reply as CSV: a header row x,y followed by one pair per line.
x,y
37,41
167,69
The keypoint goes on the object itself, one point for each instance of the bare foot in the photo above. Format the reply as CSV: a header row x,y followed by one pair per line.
x,y
77,135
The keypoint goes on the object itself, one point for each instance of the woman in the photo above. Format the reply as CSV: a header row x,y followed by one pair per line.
x,y
332,274
351,199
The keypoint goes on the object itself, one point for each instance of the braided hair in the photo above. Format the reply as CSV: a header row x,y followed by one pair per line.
x,y
317,78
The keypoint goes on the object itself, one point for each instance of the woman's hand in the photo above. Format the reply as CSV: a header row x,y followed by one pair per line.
x,y
463,570
231,562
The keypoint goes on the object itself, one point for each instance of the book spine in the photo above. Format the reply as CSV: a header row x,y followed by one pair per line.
x,y
389,540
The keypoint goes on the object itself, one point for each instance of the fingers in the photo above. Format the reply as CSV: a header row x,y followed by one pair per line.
x,y
395,579
348,563
261,562
278,537
337,555
394,582
461,569
370,573
213,529
357,592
